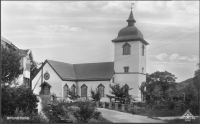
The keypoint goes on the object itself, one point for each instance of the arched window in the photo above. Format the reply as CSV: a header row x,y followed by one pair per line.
x,y
142,50
65,89
126,89
126,49
142,70
83,90
45,88
101,89
73,88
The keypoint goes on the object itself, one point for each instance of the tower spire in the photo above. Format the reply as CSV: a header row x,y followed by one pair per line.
x,y
131,19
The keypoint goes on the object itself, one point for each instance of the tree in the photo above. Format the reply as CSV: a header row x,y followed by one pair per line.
x,y
196,81
21,98
96,96
120,92
34,68
11,66
160,82
196,78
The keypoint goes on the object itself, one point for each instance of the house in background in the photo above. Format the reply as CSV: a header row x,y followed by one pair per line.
x,y
26,57
128,68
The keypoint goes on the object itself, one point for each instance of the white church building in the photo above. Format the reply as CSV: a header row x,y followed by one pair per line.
x,y
128,68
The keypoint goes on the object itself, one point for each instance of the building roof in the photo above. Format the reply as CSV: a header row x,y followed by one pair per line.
x,y
23,53
130,33
64,70
8,42
94,71
82,72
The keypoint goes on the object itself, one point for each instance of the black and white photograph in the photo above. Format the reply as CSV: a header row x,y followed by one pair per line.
x,y
100,62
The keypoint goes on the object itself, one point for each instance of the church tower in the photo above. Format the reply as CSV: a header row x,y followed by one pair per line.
x,y
130,58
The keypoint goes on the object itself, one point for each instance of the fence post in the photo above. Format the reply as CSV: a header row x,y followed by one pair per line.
x,y
110,105
116,106
97,104
122,107
104,104
129,108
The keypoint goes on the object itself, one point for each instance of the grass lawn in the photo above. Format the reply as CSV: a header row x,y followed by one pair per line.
x,y
100,120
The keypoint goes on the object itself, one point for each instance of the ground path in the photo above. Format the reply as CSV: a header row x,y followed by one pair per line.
x,y
122,117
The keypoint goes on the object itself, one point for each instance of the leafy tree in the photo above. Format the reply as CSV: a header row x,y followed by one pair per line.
x,y
10,66
73,95
196,78
21,98
34,68
120,92
160,83
96,96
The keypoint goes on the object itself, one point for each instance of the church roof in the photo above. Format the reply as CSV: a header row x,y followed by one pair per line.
x,y
64,70
130,32
82,72
94,71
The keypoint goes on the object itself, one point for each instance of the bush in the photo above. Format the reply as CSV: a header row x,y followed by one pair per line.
x,y
56,109
86,111
138,111
21,98
96,96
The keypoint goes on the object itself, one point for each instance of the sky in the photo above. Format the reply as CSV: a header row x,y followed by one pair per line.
x,y
82,31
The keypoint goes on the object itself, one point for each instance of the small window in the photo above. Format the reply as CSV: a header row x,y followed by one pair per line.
x,y
142,50
83,90
65,93
142,70
101,89
126,69
126,49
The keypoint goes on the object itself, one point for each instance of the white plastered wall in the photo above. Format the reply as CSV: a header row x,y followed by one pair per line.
x,y
93,85
120,60
54,81
135,62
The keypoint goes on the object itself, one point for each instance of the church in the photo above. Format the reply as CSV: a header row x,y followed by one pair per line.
x,y
128,68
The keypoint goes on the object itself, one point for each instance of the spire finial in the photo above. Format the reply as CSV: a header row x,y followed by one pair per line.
x,y
131,20
132,5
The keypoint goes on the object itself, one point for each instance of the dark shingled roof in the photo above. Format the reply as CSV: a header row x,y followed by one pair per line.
x,y
94,71
130,32
64,70
83,72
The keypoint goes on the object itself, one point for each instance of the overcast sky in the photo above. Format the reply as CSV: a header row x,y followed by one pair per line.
x,y
81,32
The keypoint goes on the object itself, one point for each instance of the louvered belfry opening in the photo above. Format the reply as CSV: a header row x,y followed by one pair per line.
x,y
126,49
